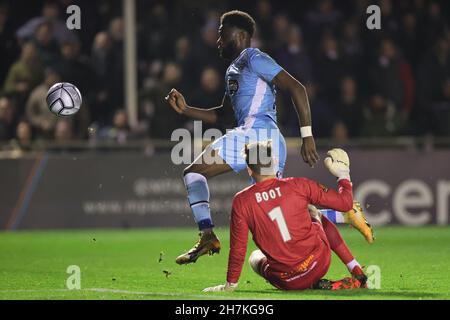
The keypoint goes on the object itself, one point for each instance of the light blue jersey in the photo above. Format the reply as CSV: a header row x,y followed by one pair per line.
x,y
248,85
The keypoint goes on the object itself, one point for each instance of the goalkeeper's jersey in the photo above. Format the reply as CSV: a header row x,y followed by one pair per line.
x,y
276,213
248,85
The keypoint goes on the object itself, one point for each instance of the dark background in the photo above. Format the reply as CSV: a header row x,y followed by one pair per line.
x,y
361,83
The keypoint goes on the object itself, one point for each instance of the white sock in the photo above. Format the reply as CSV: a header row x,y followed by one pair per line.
x,y
352,264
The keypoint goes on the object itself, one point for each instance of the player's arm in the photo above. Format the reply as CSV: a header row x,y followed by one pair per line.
x,y
285,81
238,248
178,103
338,164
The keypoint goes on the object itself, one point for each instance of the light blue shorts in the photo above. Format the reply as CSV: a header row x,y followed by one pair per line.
x,y
231,146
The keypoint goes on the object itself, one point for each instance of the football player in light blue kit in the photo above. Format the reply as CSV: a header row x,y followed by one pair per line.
x,y
251,81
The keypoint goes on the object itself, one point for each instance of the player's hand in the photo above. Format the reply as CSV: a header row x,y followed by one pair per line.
x,y
177,101
309,152
338,163
222,287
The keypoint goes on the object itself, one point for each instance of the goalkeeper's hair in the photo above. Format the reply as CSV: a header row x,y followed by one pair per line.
x,y
258,157
239,19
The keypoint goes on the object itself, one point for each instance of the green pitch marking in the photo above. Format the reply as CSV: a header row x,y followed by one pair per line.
x,y
139,264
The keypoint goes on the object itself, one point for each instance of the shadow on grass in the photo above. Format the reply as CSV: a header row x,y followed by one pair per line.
x,y
348,293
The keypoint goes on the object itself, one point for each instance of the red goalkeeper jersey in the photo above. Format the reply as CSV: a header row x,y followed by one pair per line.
x,y
276,212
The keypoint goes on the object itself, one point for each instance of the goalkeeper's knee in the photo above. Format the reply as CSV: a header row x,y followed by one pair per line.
x,y
255,259
315,213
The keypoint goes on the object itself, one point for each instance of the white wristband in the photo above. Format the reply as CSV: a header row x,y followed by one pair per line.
x,y
306,131
344,177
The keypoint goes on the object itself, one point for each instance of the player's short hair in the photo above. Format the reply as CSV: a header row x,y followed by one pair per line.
x,y
258,157
239,19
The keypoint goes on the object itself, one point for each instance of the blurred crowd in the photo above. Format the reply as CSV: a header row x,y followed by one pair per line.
x,y
360,82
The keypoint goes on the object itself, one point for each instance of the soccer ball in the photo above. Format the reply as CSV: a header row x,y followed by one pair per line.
x,y
64,99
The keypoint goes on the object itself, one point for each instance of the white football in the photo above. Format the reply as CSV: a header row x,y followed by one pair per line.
x,y
64,99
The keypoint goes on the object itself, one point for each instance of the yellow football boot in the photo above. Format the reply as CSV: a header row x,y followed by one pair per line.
x,y
208,243
356,218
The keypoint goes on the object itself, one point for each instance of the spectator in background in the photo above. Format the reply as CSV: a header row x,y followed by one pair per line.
x,y
434,71
381,118
434,23
264,17
63,131
8,45
321,113
207,48
349,108
155,37
409,41
51,14
187,61
321,19
120,131
388,20
441,111
37,112
46,44
74,68
389,27
392,77
23,138
339,134
351,39
280,32
7,129
333,34
116,33
24,74
156,109
210,93
294,56
330,66
101,59
352,49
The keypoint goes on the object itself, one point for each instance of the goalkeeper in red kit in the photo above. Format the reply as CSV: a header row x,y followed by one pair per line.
x,y
294,239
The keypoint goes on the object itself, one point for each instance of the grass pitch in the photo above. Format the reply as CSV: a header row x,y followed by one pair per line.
x,y
139,264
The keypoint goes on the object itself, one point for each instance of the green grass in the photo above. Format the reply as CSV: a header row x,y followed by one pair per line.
x,y
414,264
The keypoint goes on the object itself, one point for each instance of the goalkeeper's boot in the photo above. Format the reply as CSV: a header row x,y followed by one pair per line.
x,y
355,282
208,243
358,273
356,218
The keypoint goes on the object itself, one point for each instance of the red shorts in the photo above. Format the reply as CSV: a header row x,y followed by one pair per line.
x,y
315,267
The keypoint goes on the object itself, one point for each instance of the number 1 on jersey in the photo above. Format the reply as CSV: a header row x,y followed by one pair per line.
x,y
277,215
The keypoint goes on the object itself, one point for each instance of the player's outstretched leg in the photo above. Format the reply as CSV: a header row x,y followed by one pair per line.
x,y
338,245
354,217
341,249
195,179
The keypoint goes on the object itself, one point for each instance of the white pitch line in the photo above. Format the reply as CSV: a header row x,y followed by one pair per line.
x,y
144,293
32,290
147,293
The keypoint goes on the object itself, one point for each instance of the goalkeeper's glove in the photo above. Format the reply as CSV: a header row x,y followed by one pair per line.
x,y
338,163
222,287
